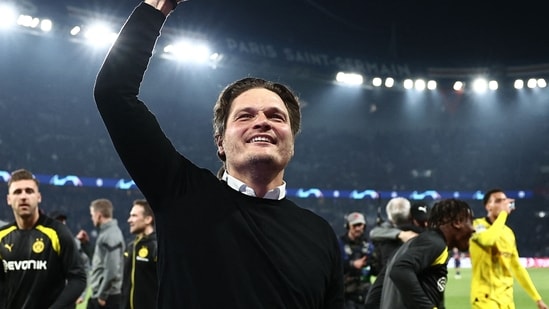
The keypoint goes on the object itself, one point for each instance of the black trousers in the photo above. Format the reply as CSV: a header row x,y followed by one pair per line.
x,y
113,302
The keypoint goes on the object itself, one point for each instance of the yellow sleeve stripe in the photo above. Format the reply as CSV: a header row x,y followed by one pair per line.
x,y
52,235
442,258
6,232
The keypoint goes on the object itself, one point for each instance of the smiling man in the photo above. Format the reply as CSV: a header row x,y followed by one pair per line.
x,y
41,264
237,228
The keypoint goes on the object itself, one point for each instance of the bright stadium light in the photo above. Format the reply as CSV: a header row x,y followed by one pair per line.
x,y
480,85
389,82
8,16
532,83
46,25
408,84
100,35
28,21
519,84
431,85
75,30
377,81
542,83
458,85
351,79
419,84
493,85
189,51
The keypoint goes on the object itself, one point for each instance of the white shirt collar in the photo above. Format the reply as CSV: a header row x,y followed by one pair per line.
x,y
277,193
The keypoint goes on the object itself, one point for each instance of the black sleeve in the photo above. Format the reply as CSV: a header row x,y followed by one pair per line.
x,y
129,122
404,273
73,269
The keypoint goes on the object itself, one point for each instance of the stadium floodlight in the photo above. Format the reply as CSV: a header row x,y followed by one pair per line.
x,y
100,35
419,84
532,83
8,16
350,79
480,85
431,85
189,51
389,82
46,25
519,84
377,81
542,83
458,85
493,85
75,30
28,21
408,84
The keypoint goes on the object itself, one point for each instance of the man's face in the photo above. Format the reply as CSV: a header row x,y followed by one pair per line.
x,y
137,220
95,217
258,133
24,197
356,230
497,203
464,231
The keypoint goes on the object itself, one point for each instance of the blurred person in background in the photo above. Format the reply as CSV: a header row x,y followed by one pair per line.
x,y
107,258
495,258
140,284
456,254
405,221
236,228
417,273
356,251
62,217
41,265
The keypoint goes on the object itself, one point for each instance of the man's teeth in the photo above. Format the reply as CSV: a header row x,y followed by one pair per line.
x,y
260,139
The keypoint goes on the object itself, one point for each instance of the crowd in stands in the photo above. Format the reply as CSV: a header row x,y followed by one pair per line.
x,y
55,129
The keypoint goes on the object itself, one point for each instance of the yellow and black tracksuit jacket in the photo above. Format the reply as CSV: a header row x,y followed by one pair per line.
x,y
41,267
140,284
416,275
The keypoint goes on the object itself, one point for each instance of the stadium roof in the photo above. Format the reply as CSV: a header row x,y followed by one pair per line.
x,y
432,33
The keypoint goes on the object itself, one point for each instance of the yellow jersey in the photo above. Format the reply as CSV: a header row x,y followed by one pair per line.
x,y
495,262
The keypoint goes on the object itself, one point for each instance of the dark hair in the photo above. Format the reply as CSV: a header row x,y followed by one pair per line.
x,y
447,211
488,194
147,210
226,97
21,174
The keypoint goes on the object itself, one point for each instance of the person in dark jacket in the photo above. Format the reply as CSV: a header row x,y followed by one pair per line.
x,y
140,284
357,251
238,227
41,266
417,273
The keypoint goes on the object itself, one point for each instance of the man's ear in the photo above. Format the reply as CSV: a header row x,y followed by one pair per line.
x,y
219,144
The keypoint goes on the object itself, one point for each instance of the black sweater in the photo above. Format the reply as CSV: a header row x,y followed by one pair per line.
x,y
218,248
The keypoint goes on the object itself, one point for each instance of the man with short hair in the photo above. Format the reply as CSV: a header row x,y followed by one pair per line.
x,y
406,221
495,258
417,273
41,266
107,260
140,283
236,228
356,250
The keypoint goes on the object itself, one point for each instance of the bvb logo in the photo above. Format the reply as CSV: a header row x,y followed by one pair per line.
x,y
38,245
143,252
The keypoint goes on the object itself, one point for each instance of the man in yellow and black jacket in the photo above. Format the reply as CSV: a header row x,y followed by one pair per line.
x,y
495,258
416,275
41,266
140,284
